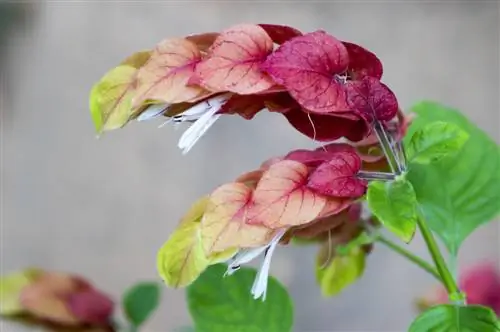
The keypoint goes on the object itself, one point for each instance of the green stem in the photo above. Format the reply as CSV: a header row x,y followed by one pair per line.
x,y
446,276
410,256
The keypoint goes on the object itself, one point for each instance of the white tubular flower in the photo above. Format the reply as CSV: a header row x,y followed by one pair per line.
x,y
152,112
259,286
242,257
204,116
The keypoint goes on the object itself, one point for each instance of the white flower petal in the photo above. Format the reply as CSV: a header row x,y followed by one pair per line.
x,y
243,257
204,122
198,129
259,287
152,112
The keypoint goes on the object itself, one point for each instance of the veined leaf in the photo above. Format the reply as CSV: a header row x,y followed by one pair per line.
x,y
395,205
219,304
435,141
458,193
111,98
451,318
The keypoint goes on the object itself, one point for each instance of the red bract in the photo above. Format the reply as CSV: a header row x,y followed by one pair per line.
x,y
362,63
280,33
233,61
337,177
310,158
91,306
282,199
164,77
306,66
337,147
313,158
320,127
328,127
245,105
372,98
66,300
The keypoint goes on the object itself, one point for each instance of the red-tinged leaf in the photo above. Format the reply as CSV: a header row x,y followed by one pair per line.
x,y
164,78
280,33
310,158
327,127
224,224
362,62
233,61
282,198
337,177
306,66
372,98
244,105
204,40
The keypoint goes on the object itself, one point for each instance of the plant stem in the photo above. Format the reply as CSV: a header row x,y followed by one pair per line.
x,y
387,148
446,276
410,256
382,176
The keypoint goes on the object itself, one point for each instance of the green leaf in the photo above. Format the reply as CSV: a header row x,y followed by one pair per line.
x,y
435,141
11,286
219,303
335,274
111,98
450,318
395,205
361,240
182,258
140,301
458,193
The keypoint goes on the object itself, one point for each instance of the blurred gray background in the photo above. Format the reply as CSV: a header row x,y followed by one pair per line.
x,y
103,207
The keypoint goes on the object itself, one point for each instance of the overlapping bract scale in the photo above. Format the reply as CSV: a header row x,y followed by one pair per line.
x,y
324,87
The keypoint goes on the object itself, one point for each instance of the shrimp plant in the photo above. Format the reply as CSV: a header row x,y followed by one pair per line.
x,y
378,174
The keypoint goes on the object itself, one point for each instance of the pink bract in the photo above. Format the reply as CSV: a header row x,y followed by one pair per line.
x,y
337,176
280,33
372,98
362,62
306,66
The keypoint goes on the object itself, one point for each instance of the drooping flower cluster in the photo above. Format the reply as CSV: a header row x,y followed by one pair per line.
x,y
327,89
58,298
